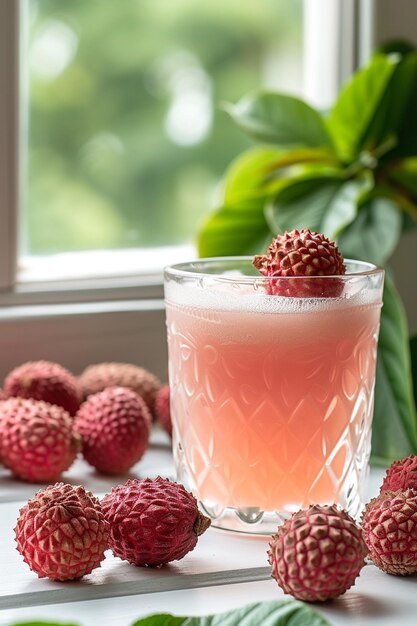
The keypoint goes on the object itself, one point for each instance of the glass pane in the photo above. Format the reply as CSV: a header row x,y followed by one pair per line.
x,y
127,140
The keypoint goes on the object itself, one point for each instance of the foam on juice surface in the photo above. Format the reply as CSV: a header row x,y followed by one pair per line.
x,y
217,294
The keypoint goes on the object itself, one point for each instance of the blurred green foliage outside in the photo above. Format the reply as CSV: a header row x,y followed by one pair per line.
x,y
126,137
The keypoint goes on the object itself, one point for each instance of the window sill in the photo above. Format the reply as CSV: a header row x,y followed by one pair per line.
x,y
79,334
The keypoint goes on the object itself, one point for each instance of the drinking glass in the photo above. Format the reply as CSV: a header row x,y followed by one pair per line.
x,y
271,395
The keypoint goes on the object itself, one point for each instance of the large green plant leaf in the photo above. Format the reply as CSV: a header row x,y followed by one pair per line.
x,y
280,119
323,203
394,434
358,105
234,231
239,227
404,100
386,125
413,352
375,232
276,613
401,182
248,177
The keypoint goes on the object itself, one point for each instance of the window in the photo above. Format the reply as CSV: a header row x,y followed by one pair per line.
x,y
124,132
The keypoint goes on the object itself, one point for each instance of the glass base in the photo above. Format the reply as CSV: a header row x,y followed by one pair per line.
x,y
248,521
253,520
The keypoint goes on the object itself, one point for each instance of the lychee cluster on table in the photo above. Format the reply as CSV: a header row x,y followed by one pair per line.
x,y
63,531
48,416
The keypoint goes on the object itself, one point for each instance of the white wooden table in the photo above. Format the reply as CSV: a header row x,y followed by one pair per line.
x,y
225,570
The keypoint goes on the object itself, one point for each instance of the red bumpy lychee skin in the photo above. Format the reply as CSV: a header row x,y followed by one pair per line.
x,y
36,439
401,475
114,426
317,554
61,532
298,254
152,522
98,377
389,528
163,409
42,380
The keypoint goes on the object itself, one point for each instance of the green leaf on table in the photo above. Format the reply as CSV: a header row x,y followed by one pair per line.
x,y
280,119
359,104
394,434
413,353
375,232
276,613
325,204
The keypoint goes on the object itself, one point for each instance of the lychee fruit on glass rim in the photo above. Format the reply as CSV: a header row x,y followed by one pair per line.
x,y
317,553
61,532
302,264
152,522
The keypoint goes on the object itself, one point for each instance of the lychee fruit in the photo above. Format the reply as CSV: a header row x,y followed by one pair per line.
x,y
317,553
36,439
401,475
163,409
114,425
42,380
296,259
152,522
389,528
98,377
62,533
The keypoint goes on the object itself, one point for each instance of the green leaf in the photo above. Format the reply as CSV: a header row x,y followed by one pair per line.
x,y
163,620
401,46
234,231
239,227
280,119
375,232
385,127
323,203
413,353
404,98
358,104
276,613
394,433
401,182
246,178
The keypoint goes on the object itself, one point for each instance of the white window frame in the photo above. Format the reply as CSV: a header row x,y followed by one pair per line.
x,y
119,315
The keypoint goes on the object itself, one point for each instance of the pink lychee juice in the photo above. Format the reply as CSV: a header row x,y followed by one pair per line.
x,y
271,396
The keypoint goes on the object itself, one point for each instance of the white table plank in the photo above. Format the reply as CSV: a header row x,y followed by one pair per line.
x,y
157,460
218,558
376,600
